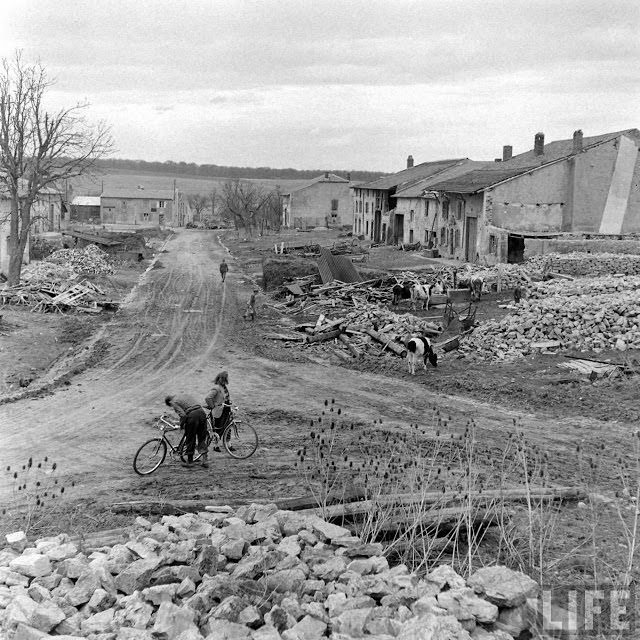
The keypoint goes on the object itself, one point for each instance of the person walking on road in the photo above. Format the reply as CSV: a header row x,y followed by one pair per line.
x,y
218,401
224,267
193,420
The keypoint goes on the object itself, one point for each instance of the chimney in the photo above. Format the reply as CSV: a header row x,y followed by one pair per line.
x,y
409,162
326,175
507,152
538,144
577,141
349,177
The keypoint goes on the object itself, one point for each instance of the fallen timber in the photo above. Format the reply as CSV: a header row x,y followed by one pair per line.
x,y
432,498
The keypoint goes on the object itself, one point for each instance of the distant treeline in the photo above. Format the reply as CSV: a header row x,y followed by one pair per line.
x,y
217,171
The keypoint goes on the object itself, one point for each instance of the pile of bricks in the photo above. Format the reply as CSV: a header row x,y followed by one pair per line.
x,y
257,574
91,259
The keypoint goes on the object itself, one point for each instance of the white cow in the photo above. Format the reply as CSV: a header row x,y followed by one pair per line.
x,y
420,293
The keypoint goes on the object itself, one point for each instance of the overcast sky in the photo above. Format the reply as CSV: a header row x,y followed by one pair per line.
x,y
351,84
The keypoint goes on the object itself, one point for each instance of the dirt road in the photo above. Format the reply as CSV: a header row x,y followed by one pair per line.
x,y
178,329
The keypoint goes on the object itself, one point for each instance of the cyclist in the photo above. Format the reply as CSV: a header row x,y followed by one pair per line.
x,y
193,420
218,402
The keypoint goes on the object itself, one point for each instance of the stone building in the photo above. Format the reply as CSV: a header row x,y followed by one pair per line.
x,y
325,201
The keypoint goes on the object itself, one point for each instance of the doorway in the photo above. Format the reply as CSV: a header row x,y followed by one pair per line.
x,y
398,231
515,249
377,220
470,239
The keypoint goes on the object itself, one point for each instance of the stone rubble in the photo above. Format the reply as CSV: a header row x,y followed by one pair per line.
x,y
257,574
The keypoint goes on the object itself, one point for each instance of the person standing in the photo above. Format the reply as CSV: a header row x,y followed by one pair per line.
x,y
224,267
193,420
250,314
218,401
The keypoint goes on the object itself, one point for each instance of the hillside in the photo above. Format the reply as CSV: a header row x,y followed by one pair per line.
x,y
190,178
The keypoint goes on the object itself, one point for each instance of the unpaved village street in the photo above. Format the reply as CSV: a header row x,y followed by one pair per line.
x,y
180,327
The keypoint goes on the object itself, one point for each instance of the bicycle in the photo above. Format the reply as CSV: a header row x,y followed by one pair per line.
x,y
239,439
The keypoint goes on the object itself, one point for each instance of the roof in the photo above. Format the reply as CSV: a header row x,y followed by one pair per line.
x,y
477,180
336,268
410,175
331,177
417,189
493,173
23,185
86,201
138,194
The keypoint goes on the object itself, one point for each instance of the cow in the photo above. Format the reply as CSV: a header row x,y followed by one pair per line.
x,y
420,293
419,349
472,281
401,292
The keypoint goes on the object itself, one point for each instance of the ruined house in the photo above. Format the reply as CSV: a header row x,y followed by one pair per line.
x,y
144,207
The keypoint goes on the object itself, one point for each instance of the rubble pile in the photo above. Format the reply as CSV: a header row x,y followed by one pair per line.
x,y
257,574
91,259
586,264
584,322
607,284
58,297
43,270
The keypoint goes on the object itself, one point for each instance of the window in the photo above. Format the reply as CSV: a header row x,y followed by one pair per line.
x,y
426,208
445,209
366,207
366,228
334,205
426,236
411,214
493,245
145,215
460,204
162,204
124,205
410,236
457,240
443,235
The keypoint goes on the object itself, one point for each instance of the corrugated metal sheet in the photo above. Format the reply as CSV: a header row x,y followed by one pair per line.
x,y
336,268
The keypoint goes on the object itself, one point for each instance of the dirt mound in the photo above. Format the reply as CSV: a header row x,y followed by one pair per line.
x,y
277,271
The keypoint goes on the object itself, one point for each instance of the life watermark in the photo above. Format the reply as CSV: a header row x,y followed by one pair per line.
x,y
606,612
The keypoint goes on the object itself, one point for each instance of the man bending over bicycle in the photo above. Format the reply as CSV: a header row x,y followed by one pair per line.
x,y
193,420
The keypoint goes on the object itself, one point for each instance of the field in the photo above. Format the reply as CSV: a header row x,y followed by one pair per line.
x,y
93,185
466,427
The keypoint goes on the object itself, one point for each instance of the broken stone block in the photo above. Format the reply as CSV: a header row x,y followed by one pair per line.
x,y
351,622
101,622
176,573
73,568
186,588
309,628
119,558
329,570
46,616
100,600
172,620
13,578
61,552
250,617
502,586
33,565
444,575
143,523
160,593
206,561
20,609
264,633
234,549
290,545
136,576
225,630
17,541
433,626
133,611
25,632
84,588
284,581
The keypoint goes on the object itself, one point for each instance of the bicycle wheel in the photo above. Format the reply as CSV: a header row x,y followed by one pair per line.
x,y
149,456
240,439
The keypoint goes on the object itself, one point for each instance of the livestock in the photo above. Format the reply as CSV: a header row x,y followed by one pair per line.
x,y
420,293
472,281
401,292
420,349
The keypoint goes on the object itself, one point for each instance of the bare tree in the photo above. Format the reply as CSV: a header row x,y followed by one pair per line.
x,y
39,149
199,204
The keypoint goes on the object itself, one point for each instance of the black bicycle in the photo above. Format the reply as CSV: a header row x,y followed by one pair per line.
x,y
239,439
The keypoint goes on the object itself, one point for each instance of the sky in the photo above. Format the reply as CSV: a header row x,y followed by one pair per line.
x,y
322,84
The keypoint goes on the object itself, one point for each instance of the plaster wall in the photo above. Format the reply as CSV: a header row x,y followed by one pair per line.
x,y
312,206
